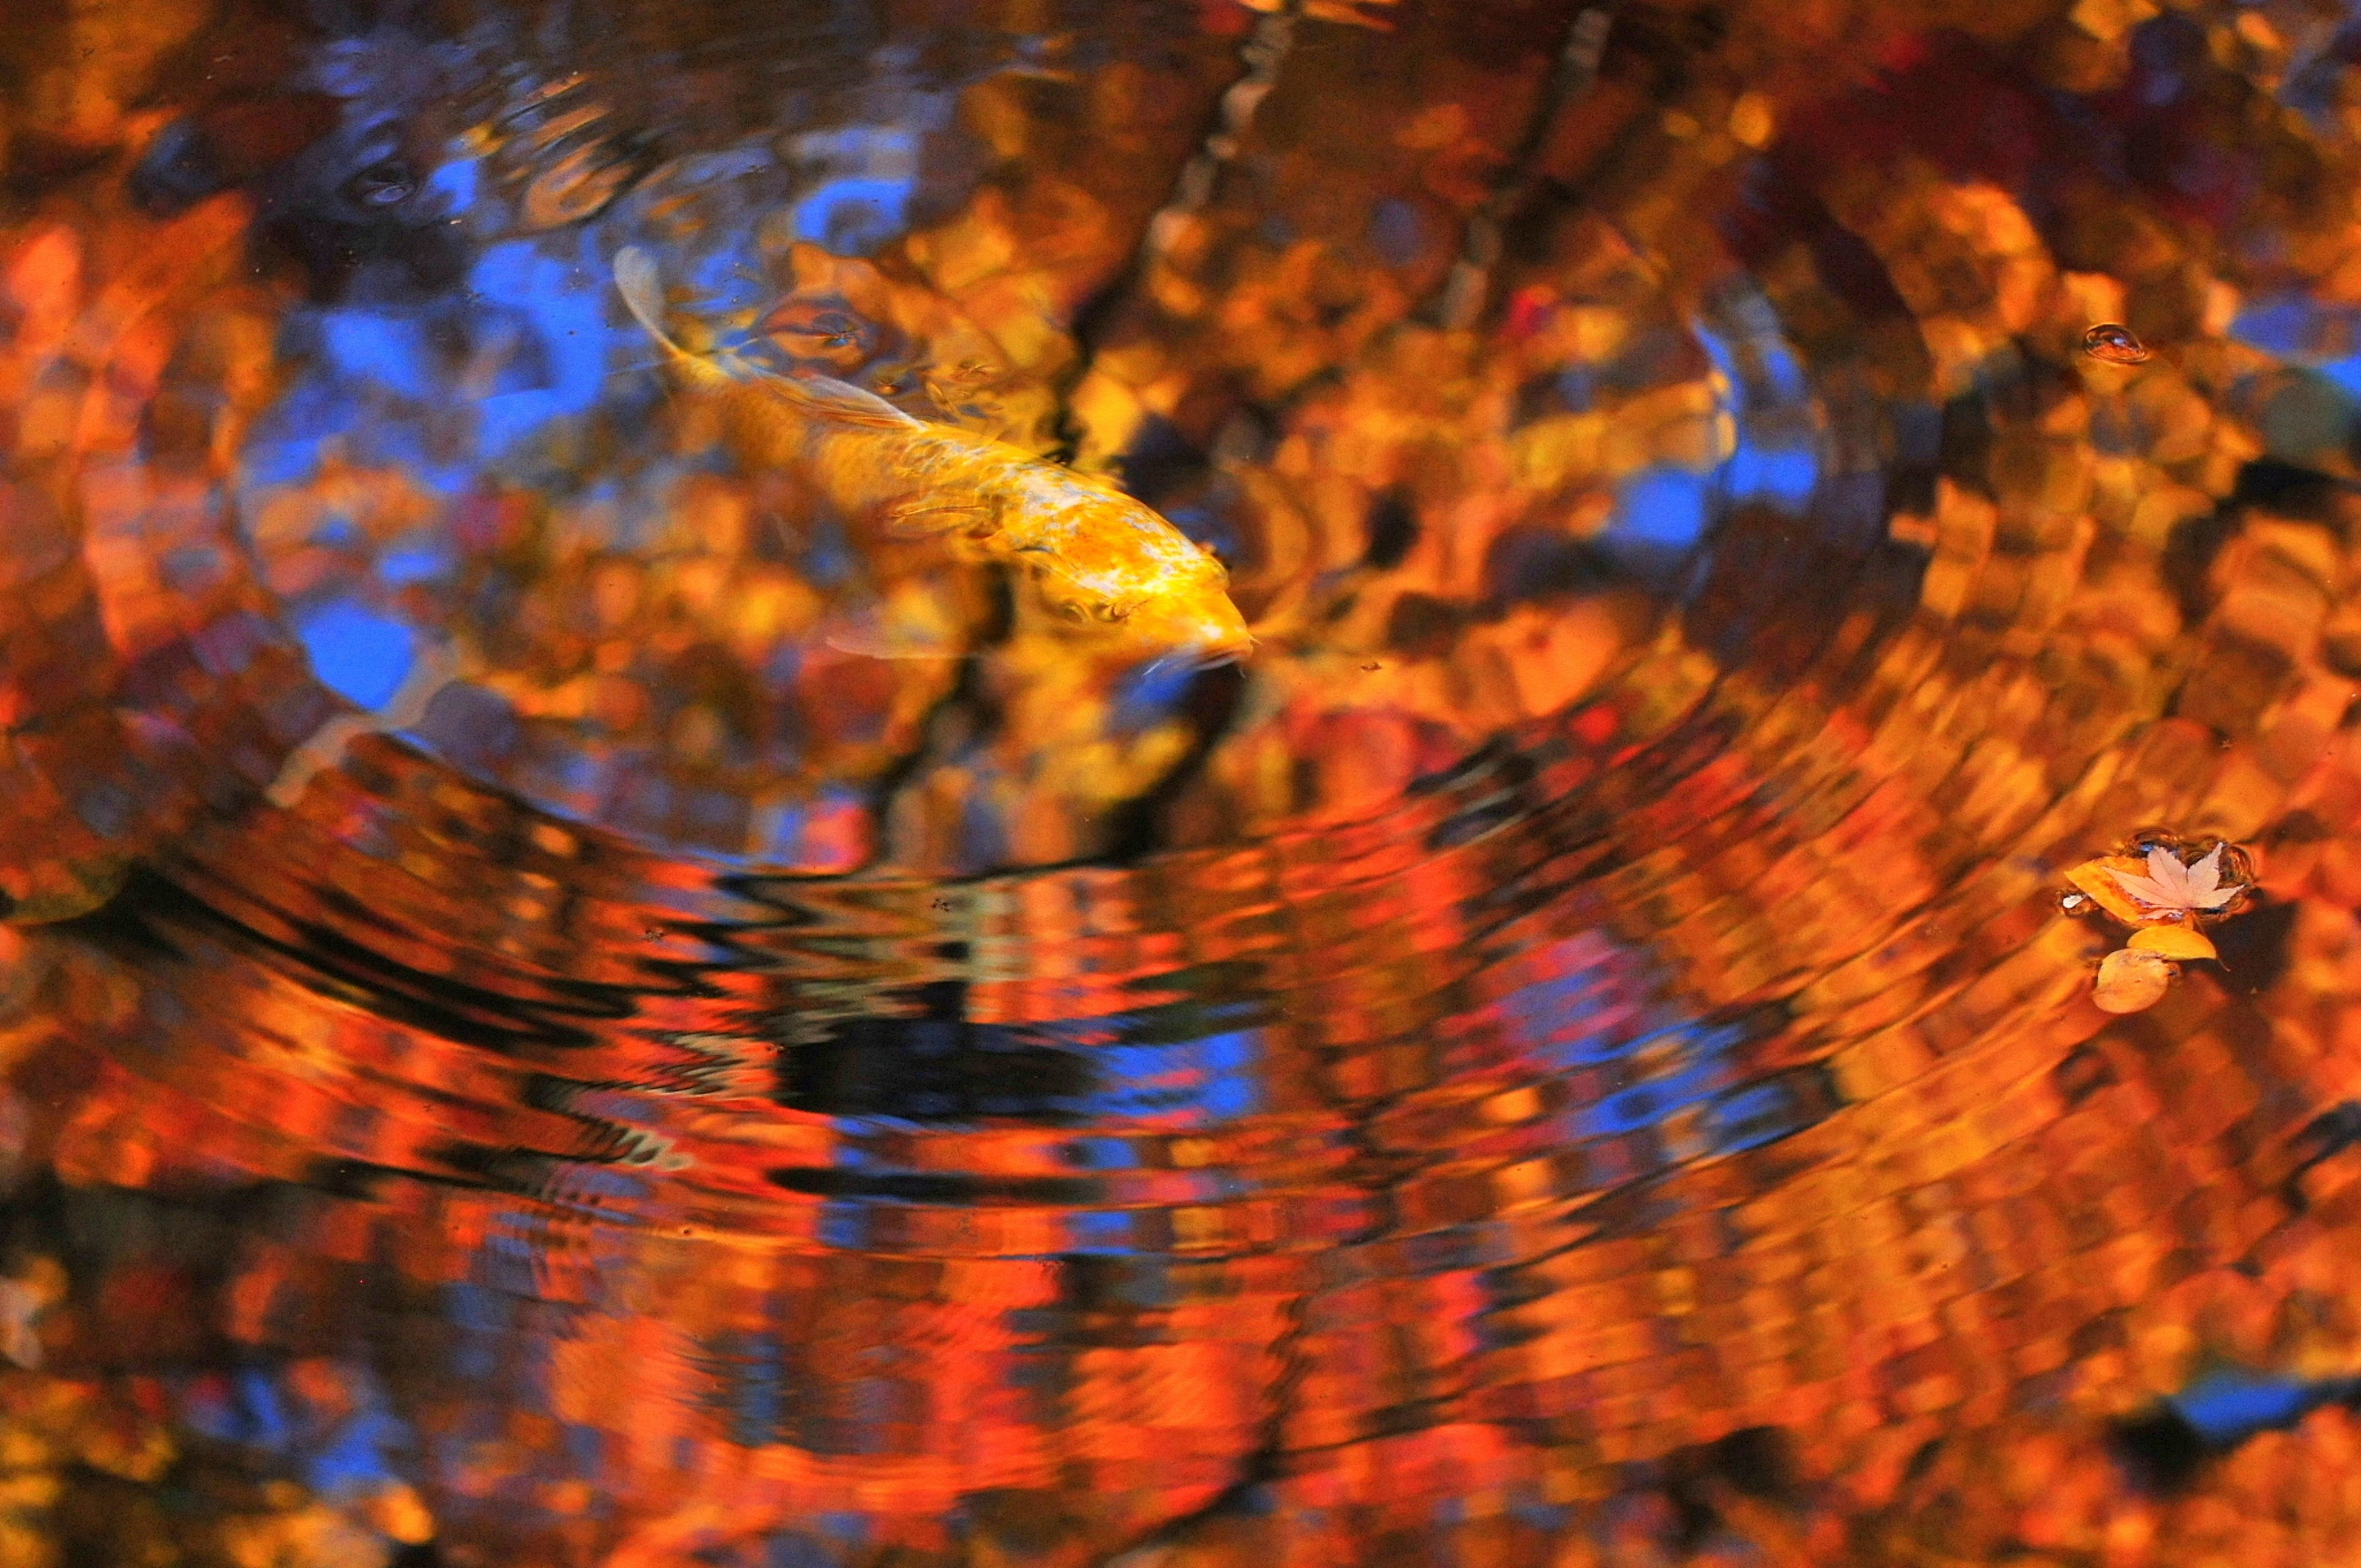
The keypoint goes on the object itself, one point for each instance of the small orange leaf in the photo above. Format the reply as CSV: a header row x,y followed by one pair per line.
x,y
2097,878
2173,942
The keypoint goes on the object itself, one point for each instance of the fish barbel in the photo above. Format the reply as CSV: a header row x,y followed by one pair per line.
x,y
1104,564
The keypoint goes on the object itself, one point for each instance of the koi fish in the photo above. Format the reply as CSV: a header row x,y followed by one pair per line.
x,y
1103,565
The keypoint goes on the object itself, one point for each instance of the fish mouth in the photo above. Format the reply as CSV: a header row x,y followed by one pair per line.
x,y
1197,658
1229,645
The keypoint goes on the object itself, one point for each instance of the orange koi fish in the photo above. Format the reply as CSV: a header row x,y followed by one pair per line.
x,y
1103,566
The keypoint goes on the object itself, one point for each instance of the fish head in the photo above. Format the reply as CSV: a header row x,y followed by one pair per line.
x,y
1140,589
1184,623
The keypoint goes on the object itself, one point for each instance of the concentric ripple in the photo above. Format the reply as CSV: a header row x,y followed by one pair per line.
x,y
523,1049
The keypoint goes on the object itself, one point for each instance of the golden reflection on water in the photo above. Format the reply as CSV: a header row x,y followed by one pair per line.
x,y
520,1049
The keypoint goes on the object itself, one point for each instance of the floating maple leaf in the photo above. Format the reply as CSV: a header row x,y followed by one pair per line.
x,y
2172,883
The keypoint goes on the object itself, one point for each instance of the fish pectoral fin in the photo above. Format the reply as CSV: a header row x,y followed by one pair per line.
x,y
832,398
926,519
886,645
868,633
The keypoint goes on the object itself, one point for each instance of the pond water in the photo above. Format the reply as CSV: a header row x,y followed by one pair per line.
x,y
581,985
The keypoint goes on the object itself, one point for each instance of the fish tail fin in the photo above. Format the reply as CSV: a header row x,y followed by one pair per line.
x,y
642,290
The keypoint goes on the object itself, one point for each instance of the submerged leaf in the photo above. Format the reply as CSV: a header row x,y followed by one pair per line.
x,y
2132,980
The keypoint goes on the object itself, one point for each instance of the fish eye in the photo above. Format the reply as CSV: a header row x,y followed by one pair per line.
x,y
1075,612
831,328
385,183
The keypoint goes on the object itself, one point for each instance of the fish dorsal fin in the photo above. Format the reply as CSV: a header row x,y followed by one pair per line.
x,y
832,398
935,514
1108,484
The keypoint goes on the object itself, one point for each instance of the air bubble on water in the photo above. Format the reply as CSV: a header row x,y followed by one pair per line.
x,y
2112,343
